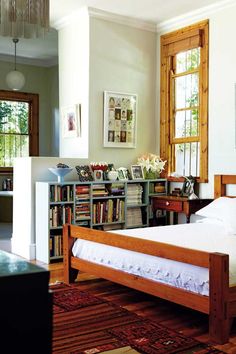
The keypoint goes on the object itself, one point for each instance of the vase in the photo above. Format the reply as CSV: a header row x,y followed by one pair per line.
x,y
150,174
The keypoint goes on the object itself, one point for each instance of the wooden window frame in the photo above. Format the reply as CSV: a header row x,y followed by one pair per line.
x,y
33,100
172,43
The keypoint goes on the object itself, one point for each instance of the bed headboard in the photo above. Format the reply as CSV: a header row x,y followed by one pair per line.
x,y
220,182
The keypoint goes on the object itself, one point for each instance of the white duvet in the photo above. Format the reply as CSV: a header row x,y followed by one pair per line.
x,y
201,236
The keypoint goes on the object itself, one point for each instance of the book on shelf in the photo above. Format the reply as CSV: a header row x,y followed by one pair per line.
x,y
112,227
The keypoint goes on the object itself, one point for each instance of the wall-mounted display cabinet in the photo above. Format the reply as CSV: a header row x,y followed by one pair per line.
x,y
105,205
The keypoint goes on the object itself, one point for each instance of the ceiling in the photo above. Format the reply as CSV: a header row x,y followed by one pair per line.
x,y
43,51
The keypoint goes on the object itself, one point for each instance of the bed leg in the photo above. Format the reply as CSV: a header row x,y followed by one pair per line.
x,y
70,274
219,321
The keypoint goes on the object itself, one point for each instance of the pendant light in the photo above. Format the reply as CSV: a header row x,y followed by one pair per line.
x,y
15,79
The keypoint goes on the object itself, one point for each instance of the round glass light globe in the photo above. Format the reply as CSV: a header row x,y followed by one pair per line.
x,y
15,80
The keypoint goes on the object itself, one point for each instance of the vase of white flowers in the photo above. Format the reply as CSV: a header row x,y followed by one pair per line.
x,y
152,165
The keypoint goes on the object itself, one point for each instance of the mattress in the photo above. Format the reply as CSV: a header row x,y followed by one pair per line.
x,y
208,237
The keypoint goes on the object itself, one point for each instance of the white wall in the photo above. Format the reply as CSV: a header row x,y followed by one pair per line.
x,y
122,59
96,55
74,79
222,79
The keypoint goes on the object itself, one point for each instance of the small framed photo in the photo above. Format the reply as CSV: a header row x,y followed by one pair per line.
x,y
137,172
98,175
120,119
84,173
71,121
122,174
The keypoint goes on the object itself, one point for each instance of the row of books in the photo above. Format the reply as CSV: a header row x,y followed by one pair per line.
x,y
59,215
109,211
56,245
61,193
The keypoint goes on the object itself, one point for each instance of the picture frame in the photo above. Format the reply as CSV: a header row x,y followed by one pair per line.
x,y
71,121
98,175
84,173
137,172
120,120
122,174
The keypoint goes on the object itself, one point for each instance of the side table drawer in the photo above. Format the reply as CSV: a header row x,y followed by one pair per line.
x,y
170,205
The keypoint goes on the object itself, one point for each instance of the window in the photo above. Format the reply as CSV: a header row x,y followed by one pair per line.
x,y
18,127
184,101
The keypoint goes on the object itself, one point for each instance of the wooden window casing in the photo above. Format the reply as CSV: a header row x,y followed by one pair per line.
x,y
187,38
33,122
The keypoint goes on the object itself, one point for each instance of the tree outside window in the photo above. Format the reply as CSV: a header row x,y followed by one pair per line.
x,y
18,127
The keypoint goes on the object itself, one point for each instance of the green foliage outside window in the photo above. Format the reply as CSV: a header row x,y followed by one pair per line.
x,y
14,130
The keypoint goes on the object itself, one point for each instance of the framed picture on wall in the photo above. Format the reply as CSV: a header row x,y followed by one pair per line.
x,y
71,121
120,119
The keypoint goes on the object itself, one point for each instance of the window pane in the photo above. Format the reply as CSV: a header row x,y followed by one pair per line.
x,y
188,60
187,159
186,91
186,123
14,129
12,146
14,117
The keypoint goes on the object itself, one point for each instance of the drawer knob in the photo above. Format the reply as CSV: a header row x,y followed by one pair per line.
x,y
167,203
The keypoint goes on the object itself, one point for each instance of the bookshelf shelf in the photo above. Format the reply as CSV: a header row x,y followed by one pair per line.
x,y
105,205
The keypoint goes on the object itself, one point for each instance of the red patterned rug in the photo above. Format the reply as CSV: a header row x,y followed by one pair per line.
x,y
87,324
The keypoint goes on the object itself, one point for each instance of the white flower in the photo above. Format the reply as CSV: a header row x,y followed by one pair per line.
x,y
151,162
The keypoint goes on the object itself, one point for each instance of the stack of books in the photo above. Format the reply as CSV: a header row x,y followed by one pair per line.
x,y
134,194
134,217
99,190
82,210
82,192
116,189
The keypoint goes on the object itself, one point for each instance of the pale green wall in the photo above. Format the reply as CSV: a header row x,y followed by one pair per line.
x,y
122,59
43,81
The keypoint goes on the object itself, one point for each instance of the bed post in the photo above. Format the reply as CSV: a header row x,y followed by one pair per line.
x,y
219,187
70,274
219,322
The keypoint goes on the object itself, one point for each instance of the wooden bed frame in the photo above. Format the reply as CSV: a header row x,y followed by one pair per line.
x,y
220,305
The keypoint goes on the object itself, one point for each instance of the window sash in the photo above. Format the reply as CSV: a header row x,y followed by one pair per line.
x,y
166,124
33,120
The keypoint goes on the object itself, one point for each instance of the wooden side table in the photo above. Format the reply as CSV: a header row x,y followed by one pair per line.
x,y
178,205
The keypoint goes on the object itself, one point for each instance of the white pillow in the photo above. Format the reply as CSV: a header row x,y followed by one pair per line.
x,y
223,209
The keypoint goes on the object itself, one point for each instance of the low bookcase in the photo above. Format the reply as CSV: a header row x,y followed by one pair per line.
x,y
104,205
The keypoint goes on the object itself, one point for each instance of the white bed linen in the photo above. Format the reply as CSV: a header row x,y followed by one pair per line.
x,y
201,236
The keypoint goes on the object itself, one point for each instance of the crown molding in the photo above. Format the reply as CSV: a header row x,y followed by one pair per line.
x,y
123,20
108,16
30,61
193,16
